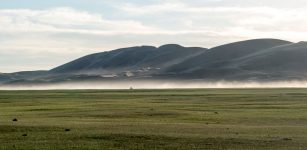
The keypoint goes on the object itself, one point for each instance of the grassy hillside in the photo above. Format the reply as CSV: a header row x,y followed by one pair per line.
x,y
250,60
220,57
133,58
154,119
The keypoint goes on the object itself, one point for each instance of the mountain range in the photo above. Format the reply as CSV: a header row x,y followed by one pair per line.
x,y
252,60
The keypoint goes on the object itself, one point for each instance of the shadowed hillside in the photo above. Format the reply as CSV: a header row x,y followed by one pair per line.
x,y
220,62
130,59
257,60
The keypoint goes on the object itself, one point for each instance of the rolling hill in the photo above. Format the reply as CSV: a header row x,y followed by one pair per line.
x,y
129,59
221,62
258,59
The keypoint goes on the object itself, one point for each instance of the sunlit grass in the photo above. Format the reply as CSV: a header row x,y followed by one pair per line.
x,y
154,119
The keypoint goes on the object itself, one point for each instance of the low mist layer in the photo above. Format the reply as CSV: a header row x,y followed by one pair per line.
x,y
158,85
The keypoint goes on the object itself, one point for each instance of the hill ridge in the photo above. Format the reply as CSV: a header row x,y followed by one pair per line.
x,y
256,59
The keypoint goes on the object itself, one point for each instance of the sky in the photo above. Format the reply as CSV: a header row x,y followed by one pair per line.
x,y
42,34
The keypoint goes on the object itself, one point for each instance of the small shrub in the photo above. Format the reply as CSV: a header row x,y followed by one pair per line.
x,y
67,130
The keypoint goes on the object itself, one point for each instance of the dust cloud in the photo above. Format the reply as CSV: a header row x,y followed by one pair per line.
x,y
157,85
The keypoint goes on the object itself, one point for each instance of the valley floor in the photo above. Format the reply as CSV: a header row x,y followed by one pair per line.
x,y
234,119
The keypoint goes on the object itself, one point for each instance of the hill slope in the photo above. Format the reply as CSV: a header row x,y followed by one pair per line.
x,y
217,62
132,58
259,60
283,62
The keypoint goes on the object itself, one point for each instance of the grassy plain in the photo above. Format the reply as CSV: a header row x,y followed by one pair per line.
x,y
253,119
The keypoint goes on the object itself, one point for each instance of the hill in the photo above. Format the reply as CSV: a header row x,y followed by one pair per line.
x,y
133,58
258,60
220,62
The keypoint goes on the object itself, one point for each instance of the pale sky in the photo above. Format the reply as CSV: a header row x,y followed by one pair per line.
x,y
42,34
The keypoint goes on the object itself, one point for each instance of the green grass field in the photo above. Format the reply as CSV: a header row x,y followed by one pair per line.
x,y
246,119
